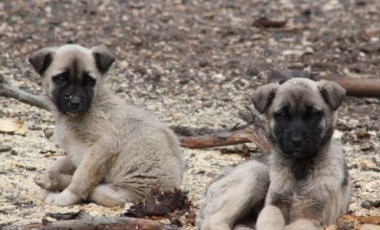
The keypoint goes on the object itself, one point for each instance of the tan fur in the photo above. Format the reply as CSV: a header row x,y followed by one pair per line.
x,y
115,152
226,199
291,203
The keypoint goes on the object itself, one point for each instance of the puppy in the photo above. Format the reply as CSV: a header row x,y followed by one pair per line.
x,y
115,152
304,182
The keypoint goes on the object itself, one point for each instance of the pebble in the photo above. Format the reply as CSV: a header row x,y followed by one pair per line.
x,y
34,127
368,165
5,148
251,71
309,50
48,132
365,147
14,152
376,204
366,204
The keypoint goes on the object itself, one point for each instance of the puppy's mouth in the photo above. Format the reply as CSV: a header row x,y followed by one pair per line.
x,y
297,153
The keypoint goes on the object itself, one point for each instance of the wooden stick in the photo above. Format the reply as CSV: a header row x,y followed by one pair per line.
x,y
246,135
7,90
356,87
360,87
87,222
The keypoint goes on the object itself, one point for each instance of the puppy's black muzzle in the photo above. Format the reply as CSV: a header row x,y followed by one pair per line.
x,y
298,141
73,103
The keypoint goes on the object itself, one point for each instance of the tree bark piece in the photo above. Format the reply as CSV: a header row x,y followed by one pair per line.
x,y
87,222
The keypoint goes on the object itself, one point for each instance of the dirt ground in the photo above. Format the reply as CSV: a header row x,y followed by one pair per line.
x,y
191,63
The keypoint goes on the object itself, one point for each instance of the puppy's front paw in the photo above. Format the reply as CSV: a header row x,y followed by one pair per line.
x,y
65,198
46,180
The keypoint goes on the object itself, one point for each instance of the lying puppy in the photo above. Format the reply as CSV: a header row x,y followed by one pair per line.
x,y
304,183
115,152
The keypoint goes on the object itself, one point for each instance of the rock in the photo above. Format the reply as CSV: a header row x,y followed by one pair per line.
x,y
309,50
34,127
362,133
251,71
5,148
376,204
48,132
366,204
367,165
365,146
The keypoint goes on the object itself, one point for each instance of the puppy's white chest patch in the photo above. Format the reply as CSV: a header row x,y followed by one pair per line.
x,y
71,143
76,151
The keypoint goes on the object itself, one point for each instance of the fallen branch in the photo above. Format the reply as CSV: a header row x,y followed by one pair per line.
x,y
246,135
84,221
7,90
360,87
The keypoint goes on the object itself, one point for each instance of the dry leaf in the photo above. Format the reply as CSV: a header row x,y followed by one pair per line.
x,y
12,126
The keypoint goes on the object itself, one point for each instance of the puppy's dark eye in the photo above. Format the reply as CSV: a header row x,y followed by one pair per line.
x,y
282,115
313,115
61,79
89,81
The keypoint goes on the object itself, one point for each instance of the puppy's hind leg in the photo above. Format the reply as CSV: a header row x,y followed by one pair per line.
x,y
270,218
233,195
110,195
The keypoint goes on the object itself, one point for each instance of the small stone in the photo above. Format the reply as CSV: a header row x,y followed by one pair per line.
x,y
366,165
357,186
203,63
48,133
362,133
34,127
155,76
376,203
363,166
366,204
365,147
14,152
309,50
5,148
251,71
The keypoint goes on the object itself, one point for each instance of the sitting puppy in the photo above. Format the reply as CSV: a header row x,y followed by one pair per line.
x,y
115,152
304,183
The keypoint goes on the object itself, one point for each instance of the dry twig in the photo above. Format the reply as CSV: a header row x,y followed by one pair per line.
x,y
7,90
84,221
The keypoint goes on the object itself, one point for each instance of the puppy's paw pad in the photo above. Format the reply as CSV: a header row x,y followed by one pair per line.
x,y
65,198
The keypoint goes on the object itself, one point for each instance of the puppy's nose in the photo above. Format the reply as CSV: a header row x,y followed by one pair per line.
x,y
75,102
297,141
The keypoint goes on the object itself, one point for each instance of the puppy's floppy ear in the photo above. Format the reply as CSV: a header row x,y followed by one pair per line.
x,y
41,59
332,93
262,97
103,59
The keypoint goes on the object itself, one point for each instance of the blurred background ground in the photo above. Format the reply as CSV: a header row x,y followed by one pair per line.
x,y
191,63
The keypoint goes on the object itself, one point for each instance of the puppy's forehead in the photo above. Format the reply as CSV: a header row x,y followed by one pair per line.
x,y
69,56
297,94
